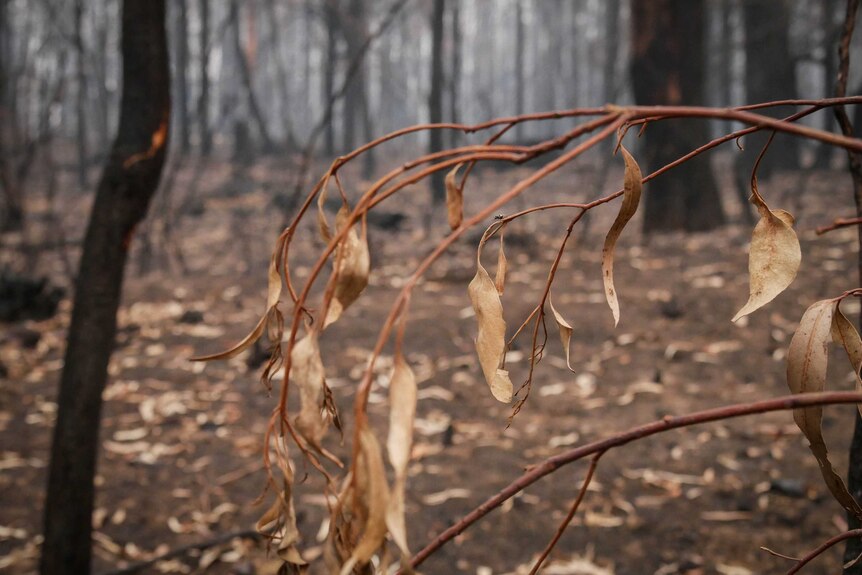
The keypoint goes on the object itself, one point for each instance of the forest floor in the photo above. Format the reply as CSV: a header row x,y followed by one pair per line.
x,y
181,441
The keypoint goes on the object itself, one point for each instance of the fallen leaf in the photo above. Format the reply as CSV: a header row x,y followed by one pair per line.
x,y
631,198
807,360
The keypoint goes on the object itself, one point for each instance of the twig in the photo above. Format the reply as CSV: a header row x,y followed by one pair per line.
x,y
180,551
808,557
667,423
565,523
839,223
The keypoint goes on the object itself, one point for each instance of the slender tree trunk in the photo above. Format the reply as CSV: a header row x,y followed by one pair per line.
x,y
181,59
667,68
455,70
247,80
435,96
128,182
612,39
204,101
13,204
330,8
81,94
520,46
770,74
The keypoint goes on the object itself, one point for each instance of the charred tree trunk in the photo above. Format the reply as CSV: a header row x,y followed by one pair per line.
x,y
520,46
12,217
247,80
455,71
770,74
667,68
181,59
435,97
128,182
204,101
81,94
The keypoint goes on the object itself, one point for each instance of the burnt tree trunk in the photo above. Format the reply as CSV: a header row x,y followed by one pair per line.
x,y
81,94
520,47
13,202
435,97
455,71
330,8
770,74
128,182
181,59
667,68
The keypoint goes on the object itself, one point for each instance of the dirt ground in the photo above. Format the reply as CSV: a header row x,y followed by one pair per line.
x,y
181,441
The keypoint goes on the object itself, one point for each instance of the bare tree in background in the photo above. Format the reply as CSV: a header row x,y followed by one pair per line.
x,y
435,95
128,182
667,68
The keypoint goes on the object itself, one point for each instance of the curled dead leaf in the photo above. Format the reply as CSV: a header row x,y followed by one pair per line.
x,y
402,399
565,332
773,258
351,268
844,333
454,198
308,373
372,495
631,198
491,338
807,360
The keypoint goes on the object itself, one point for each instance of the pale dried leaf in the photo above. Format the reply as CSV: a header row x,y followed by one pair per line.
x,y
372,492
491,338
844,333
402,398
565,332
631,198
807,360
454,198
351,268
308,373
773,259
502,266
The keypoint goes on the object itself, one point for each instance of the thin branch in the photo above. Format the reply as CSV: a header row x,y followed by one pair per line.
x,y
838,223
565,523
813,554
667,423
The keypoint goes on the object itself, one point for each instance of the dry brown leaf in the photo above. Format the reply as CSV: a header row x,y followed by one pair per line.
x,y
502,265
773,258
402,399
269,317
351,268
565,332
308,373
807,360
372,492
491,339
454,198
280,521
844,333
631,198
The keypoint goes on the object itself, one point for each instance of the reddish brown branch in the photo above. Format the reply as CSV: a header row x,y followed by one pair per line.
x,y
839,223
808,557
667,423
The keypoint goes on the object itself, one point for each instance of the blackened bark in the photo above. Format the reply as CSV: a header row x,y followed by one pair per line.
x,y
81,94
435,96
520,47
667,68
455,71
330,8
770,74
128,182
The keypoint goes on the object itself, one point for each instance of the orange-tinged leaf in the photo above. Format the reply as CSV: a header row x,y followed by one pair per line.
x,y
372,492
631,198
773,258
565,332
491,339
351,268
402,399
454,198
807,360
280,521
